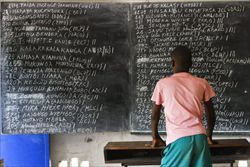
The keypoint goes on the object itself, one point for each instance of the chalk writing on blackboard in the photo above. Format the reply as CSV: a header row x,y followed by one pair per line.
x,y
62,69
217,34
67,67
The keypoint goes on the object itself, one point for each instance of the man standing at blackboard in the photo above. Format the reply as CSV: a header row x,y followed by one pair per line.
x,y
182,96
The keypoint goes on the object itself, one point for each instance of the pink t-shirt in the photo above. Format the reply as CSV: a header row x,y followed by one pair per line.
x,y
181,96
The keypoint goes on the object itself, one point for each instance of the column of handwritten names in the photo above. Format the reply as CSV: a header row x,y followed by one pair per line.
x,y
52,58
160,27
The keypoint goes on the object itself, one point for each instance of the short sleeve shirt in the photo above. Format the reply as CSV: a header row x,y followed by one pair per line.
x,y
182,95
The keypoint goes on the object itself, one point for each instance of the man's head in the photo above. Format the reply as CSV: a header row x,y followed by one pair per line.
x,y
181,59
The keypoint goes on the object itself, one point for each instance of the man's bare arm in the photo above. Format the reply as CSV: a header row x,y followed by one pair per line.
x,y
156,112
210,114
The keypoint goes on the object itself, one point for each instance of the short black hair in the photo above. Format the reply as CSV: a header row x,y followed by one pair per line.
x,y
183,56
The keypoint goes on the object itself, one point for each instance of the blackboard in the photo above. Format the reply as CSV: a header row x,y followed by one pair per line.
x,y
92,67
64,67
218,34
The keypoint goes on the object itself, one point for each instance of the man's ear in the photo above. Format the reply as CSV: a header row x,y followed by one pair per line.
x,y
173,63
190,64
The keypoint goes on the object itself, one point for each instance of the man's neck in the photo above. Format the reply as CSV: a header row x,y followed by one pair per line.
x,y
181,70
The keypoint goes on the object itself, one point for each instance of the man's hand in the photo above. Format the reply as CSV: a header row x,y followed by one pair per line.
x,y
157,142
209,140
